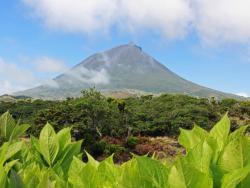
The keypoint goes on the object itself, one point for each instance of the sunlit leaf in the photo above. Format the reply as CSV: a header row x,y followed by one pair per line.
x,y
49,144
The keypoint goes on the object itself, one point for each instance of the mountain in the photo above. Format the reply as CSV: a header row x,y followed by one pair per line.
x,y
123,68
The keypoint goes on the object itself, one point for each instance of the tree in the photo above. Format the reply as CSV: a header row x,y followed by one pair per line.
x,y
95,107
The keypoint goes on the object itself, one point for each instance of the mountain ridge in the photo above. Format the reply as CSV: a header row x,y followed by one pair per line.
x,y
122,67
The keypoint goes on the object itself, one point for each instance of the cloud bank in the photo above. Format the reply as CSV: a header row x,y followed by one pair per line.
x,y
212,20
50,65
243,94
13,77
170,17
223,20
89,76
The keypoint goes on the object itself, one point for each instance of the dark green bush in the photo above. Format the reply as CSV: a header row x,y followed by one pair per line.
x,y
131,142
99,147
113,148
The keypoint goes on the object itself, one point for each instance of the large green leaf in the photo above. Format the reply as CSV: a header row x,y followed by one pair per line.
x,y
15,180
200,157
36,152
73,149
64,138
9,129
130,176
49,145
7,124
236,178
30,175
240,132
232,156
3,151
19,130
143,172
3,177
182,175
108,173
9,150
9,165
83,175
45,180
152,171
236,153
13,149
190,138
76,167
220,131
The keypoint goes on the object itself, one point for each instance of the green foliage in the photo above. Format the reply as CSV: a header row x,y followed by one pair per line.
x,y
99,147
132,142
100,116
8,160
55,150
9,129
216,158
93,117
222,157
112,148
48,144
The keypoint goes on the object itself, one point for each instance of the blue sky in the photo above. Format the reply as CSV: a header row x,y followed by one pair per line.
x,y
206,42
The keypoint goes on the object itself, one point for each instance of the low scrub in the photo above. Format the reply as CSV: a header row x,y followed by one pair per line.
x,y
213,159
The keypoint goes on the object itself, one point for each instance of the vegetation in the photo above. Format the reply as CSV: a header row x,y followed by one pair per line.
x,y
9,130
212,159
122,126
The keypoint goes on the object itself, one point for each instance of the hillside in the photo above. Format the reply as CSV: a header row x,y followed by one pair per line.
x,y
10,98
125,67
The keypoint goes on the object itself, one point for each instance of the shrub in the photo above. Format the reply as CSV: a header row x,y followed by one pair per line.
x,y
99,147
131,142
114,149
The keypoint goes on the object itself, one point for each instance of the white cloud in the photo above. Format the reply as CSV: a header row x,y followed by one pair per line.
x,y
17,77
213,20
50,83
223,20
6,86
89,76
242,94
14,78
99,77
172,18
50,65
169,17
76,15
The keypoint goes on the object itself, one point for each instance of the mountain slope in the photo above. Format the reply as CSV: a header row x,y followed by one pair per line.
x,y
122,67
